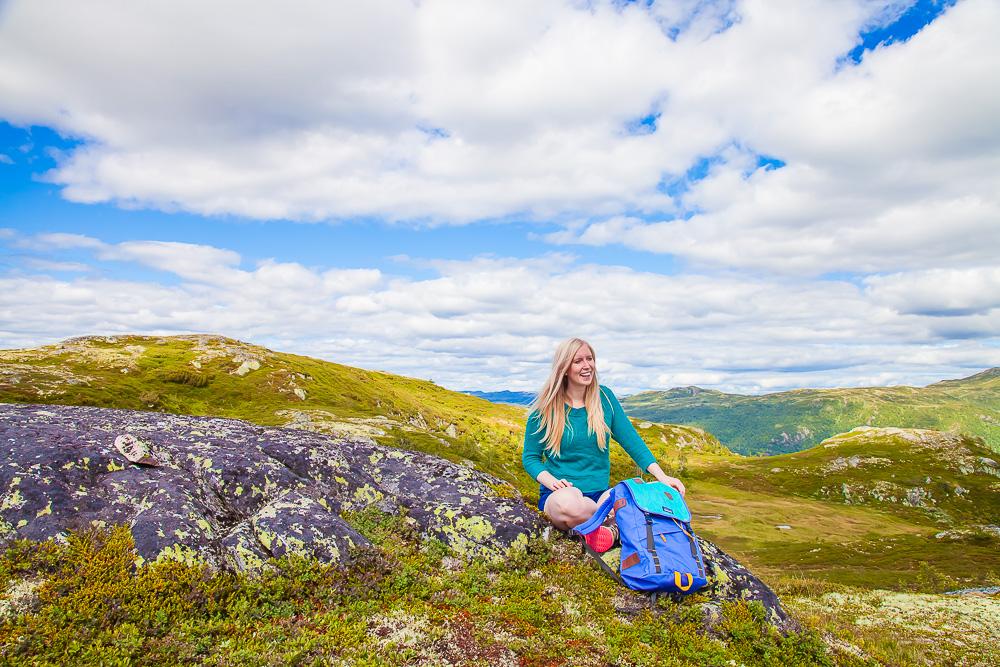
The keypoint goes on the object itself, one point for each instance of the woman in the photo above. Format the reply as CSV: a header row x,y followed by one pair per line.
x,y
566,442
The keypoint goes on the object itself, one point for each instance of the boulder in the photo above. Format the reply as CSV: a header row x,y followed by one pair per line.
x,y
233,493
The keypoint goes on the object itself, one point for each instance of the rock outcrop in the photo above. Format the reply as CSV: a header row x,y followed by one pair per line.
x,y
234,494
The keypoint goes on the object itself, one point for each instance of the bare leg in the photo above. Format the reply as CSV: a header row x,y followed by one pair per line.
x,y
568,507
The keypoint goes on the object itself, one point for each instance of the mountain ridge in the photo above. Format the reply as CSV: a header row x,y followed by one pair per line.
x,y
797,419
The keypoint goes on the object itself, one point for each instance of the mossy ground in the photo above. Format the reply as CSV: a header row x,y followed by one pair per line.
x,y
404,602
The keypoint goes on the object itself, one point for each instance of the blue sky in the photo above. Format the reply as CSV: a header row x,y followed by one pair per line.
x,y
744,197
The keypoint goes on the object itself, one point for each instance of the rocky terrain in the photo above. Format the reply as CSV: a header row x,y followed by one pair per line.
x,y
233,494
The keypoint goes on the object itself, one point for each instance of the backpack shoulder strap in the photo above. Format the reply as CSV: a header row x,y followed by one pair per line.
x,y
602,512
600,561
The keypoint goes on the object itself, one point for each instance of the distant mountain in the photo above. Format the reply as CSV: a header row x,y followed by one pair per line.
x,y
795,420
511,397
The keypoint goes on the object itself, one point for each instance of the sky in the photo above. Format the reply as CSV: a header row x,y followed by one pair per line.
x,y
749,196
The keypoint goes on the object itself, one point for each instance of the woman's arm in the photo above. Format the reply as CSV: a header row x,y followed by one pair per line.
x,y
626,435
531,457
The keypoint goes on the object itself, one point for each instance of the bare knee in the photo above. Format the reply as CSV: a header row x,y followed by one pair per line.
x,y
568,507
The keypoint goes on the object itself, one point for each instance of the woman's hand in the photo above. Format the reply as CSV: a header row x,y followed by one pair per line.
x,y
549,481
561,484
656,471
675,483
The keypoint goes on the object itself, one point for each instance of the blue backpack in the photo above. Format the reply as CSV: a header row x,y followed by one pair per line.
x,y
659,550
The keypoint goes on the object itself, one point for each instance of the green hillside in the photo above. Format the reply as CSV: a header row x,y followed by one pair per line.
x,y
865,508
212,375
795,420
738,500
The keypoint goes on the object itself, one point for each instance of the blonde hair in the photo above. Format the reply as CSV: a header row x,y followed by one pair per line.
x,y
550,404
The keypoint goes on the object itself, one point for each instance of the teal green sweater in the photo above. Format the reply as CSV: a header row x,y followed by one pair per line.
x,y
580,460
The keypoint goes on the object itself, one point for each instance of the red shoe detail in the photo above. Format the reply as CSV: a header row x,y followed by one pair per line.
x,y
601,539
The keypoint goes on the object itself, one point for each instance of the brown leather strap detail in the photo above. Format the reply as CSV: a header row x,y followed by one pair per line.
x,y
620,503
630,561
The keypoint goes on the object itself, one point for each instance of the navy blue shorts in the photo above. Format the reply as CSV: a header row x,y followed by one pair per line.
x,y
545,493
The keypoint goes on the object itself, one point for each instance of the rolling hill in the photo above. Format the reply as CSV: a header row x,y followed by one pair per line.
x,y
212,375
795,420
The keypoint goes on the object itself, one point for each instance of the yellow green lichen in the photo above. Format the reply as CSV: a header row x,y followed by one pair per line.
x,y
367,494
266,538
12,500
180,553
44,511
475,527
113,467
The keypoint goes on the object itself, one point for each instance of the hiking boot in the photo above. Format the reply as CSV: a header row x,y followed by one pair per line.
x,y
602,539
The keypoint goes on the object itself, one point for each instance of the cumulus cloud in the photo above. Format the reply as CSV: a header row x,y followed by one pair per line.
x,y
733,134
942,292
493,322
451,112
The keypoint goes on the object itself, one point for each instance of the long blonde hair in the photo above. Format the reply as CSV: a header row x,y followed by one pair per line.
x,y
550,404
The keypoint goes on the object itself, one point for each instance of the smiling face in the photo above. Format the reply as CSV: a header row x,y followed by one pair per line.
x,y
582,368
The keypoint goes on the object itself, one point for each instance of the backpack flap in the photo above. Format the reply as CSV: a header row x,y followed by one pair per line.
x,y
658,498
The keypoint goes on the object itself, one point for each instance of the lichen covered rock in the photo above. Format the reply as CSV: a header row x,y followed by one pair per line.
x,y
729,580
232,493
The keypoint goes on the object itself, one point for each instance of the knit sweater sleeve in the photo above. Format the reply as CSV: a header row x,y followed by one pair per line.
x,y
531,455
626,435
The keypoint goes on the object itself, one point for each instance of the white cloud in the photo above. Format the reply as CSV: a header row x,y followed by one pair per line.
x,y
892,164
6,159
939,291
47,265
455,111
493,322
57,241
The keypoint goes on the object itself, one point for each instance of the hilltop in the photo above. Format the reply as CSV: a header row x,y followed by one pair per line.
x,y
205,375
217,376
795,420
